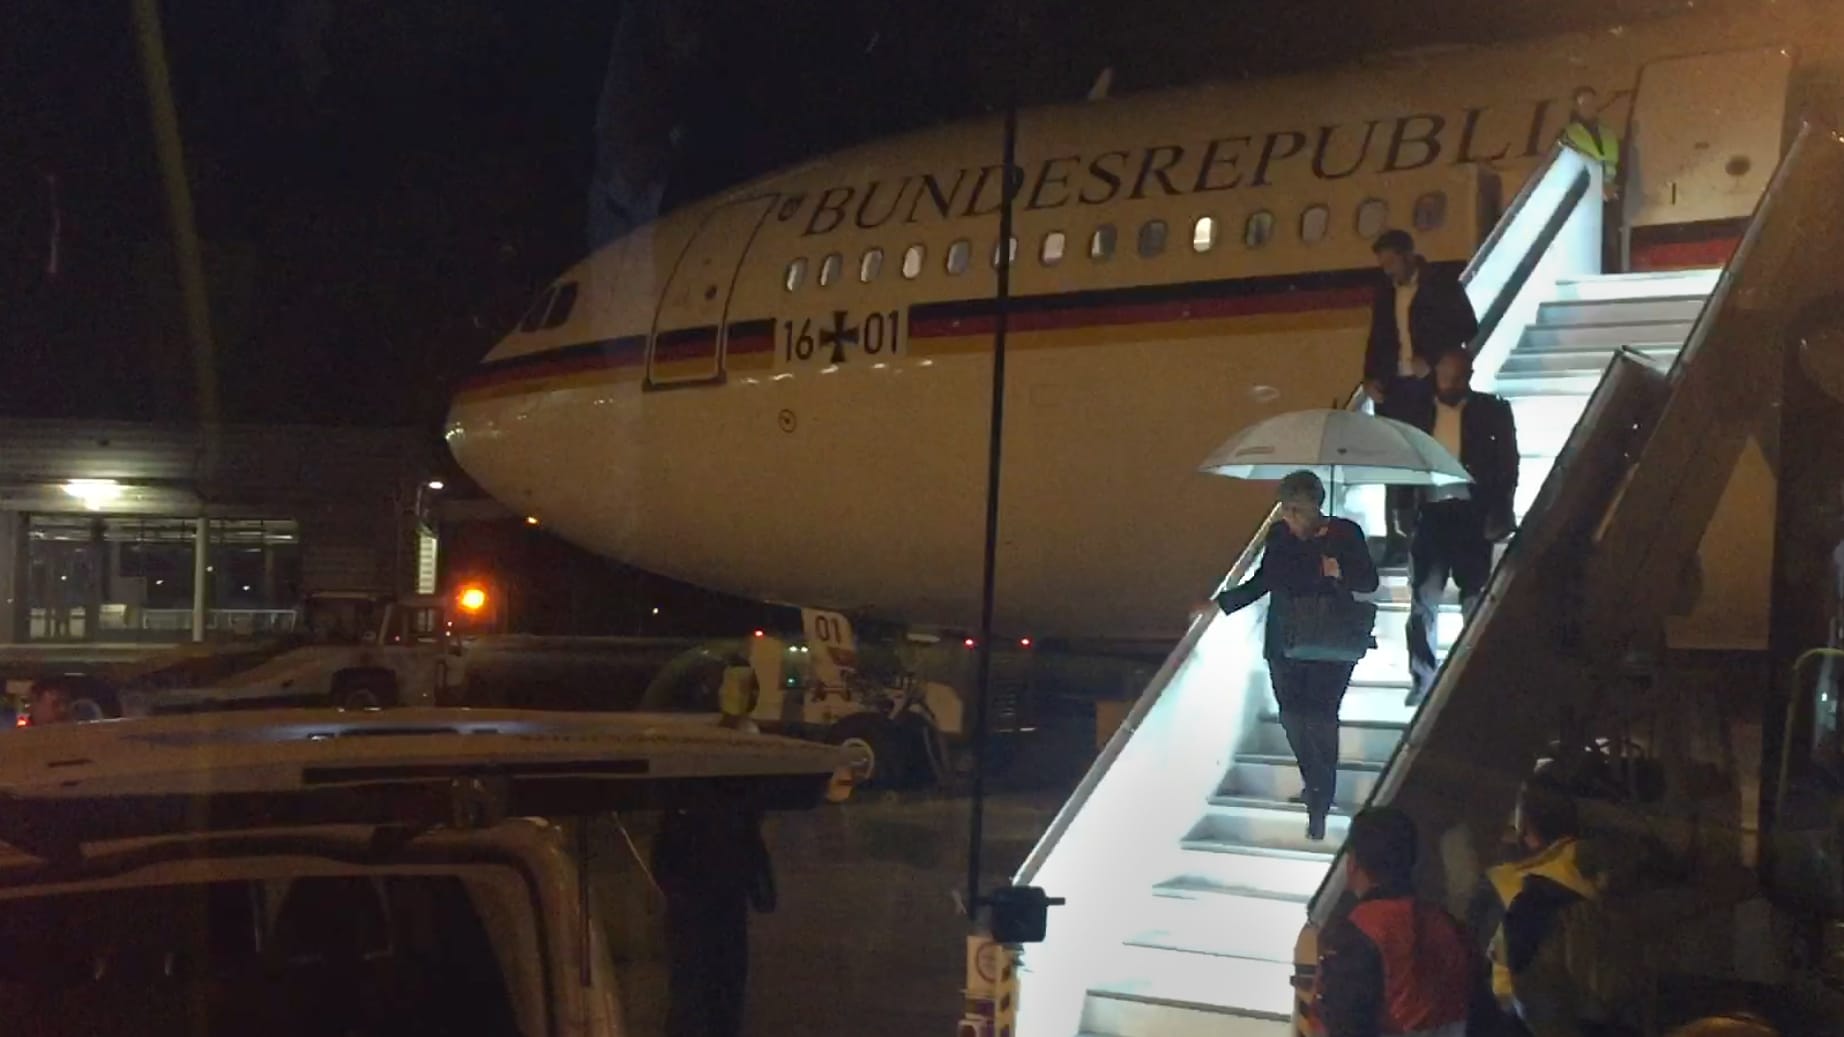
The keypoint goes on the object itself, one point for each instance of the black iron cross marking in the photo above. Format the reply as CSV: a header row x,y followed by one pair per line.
x,y
838,336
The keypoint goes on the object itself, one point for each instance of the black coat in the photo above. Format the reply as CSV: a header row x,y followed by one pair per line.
x,y
1292,567
1488,450
1440,318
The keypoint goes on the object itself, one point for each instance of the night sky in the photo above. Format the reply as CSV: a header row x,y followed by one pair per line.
x,y
381,186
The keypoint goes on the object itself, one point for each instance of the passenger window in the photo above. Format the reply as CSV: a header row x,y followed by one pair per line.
x,y
560,309
1313,223
829,269
1430,210
1372,217
797,271
995,252
1204,234
871,265
1054,243
959,254
1152,238
534,317
1101,244
912,262
1259,228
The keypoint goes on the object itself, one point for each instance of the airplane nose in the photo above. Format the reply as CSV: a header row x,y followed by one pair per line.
x,y
521,424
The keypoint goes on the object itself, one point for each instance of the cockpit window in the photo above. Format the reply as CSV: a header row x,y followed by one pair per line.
x,y
540,308
562,305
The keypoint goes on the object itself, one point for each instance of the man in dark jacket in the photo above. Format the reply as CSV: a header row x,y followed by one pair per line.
x,y
1420,312
1393,964
712,865
1457,525
1307,554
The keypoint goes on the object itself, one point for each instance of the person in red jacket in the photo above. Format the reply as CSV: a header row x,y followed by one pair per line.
x,y
1394,964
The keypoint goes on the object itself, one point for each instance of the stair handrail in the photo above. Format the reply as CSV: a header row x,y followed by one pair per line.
x,y
1499,282
1518,202
1117,742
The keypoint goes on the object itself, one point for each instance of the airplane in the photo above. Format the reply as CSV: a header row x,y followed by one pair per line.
x,y
783,392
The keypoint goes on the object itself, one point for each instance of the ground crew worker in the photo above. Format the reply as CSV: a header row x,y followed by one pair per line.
x,y
1601,144
712,865
1394,964
737,696
1547,878
1585,133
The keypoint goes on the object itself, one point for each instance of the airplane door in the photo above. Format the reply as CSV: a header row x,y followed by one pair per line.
x,y
688,327
1706,136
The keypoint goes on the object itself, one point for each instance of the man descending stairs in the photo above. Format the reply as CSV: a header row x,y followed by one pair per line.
x,y
1211,951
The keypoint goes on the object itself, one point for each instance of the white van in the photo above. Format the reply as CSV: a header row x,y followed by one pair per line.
x,y
322,874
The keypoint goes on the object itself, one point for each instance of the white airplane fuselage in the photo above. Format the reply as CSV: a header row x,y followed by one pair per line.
x,y
783,392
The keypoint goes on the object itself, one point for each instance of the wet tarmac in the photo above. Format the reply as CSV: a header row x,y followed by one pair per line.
x,y
868,936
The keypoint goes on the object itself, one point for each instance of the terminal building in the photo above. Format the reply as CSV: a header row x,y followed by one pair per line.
x,y
125,534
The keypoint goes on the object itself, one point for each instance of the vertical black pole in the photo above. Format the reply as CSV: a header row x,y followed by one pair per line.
x,y
187,255
1001,304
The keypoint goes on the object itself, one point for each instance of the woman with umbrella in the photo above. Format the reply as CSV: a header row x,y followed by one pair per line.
x,y
1312,565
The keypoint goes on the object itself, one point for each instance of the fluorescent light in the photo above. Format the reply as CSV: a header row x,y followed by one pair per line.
x,y
94,493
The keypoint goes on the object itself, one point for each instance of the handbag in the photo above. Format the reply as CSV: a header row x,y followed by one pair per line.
x,y
1327,628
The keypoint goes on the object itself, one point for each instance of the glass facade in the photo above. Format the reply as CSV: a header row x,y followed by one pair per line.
x,y
134,576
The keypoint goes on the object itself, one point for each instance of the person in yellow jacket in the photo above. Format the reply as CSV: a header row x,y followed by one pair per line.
x,y
1587,134
1548,831
1598,142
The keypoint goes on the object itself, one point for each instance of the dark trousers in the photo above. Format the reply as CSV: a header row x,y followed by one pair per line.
x,y
1449,543
1613,259
1309,694
1400,501
707,953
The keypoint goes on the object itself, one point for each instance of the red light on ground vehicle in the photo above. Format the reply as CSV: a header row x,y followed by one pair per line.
x,y
968,642
1024,642
471,599
22,720
761,633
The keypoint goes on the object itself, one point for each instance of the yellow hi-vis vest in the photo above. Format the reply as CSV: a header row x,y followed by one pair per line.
x,y
736,696
1606,150
1556,862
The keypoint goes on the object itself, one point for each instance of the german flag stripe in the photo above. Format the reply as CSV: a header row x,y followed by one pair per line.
x,y
1322,300
749,345
750,336
1682,246
977,340
671,347
626,355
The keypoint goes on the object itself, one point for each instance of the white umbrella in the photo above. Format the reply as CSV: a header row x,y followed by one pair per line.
x,y
1353,447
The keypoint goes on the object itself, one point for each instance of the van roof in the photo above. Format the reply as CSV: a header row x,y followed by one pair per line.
x,y
64,785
